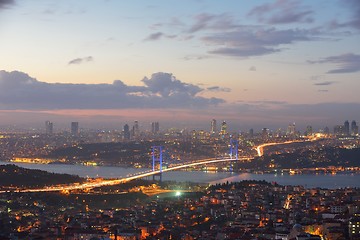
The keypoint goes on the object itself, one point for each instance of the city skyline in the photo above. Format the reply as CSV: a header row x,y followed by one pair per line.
x,y
133,130
254,64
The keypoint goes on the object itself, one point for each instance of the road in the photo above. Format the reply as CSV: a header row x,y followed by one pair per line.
x,y
106,182
260,148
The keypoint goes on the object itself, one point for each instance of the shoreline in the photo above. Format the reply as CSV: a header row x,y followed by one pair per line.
x,y
305,171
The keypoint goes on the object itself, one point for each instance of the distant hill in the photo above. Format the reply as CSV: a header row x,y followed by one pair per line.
x,y
11,175
107,153
322,157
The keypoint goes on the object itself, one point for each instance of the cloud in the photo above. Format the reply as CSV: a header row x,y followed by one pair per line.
x,y
154,36
252,68
251,41
223,34
202,21
316,77
282,12
268,102
196,57
218,89
165,84
354,19
158,36
161,90
81,60
326,83
347,63
6,3
205,21
102,104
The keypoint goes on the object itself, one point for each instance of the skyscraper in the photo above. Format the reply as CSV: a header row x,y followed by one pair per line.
x,y
339,130
251,133
346,128
223,128
136,129
126,132
326,130
155,127
354,128
213,126
49,127
291,130
75,128
309,130
265,133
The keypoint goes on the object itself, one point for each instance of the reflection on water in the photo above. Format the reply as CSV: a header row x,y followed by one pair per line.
x,y
307,180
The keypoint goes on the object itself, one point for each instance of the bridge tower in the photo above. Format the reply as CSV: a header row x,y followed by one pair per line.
x,y
157,157
234,148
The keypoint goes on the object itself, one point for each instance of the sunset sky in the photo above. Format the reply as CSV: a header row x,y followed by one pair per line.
x,y
252,63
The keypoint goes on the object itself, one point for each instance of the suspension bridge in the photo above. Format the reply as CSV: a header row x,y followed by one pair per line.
x,y
157,160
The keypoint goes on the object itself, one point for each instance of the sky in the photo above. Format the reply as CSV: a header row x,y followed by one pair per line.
x,y
182,63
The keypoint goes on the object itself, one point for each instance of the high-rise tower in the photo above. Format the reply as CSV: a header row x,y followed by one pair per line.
x,y
223,128
49,127
251,133
126,132
155,127
346,128
291,130
75,128
136,129
309,130
213,126
354,128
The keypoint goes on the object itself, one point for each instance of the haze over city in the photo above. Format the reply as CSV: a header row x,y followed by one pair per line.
x,y
252,63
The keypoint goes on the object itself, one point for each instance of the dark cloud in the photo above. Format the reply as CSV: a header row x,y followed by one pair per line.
x,y
354,19
158,36
251,41
167,85
347,63
268,102
6,3
161,90
242,52
326,83
199,22
154,36
81,60
218,89
323,90
202,21
252,68
223,34
211,21
282,12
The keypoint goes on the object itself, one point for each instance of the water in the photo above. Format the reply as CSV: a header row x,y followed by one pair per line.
x,y
307,180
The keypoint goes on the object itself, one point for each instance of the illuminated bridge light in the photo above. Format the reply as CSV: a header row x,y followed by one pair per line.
x,y
90,185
